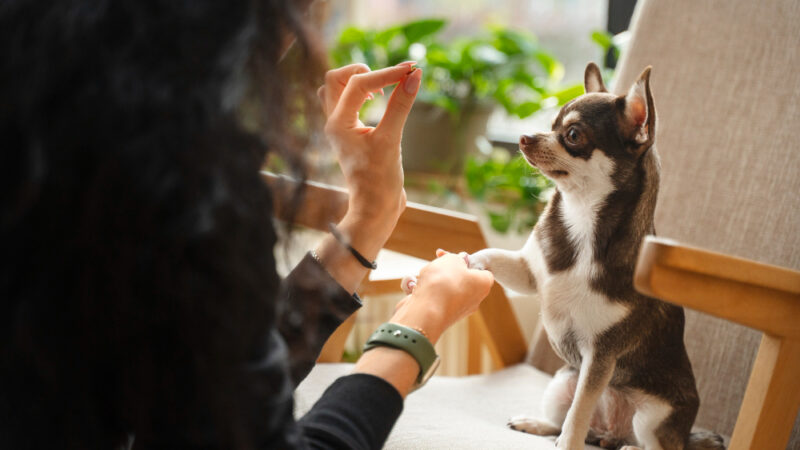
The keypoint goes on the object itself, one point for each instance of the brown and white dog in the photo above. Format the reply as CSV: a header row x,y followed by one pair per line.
x,y
628,380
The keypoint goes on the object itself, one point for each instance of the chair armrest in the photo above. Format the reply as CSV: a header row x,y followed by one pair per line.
x,y
753,294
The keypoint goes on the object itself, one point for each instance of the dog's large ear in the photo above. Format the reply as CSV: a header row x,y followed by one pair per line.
x,y
640,110
593,79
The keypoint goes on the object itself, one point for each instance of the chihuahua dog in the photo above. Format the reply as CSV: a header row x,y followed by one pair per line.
x,y
628,381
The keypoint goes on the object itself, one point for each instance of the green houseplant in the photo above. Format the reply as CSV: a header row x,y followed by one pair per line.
x,y
512,193
465,79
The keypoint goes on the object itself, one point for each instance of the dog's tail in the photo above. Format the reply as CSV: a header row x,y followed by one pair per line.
x,y
705,440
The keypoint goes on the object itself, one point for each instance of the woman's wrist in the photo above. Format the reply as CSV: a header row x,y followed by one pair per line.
x,y
397,366
379,221
423,316
366,235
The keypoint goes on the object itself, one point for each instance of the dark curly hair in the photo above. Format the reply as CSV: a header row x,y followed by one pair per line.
x,y
136,237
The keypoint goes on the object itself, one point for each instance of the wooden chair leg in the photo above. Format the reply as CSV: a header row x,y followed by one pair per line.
x,y
772,398
543,357
501,333
334,347
474,347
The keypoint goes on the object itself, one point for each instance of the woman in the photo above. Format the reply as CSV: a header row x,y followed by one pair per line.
x,y
141,303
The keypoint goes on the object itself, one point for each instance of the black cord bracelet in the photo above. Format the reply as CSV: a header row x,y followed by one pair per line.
x,y
364,261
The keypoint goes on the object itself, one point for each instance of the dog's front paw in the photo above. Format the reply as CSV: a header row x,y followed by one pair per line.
x,y
569,440
478,260
533,425
564,442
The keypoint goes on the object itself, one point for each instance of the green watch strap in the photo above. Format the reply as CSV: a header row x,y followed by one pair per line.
x,y
409,340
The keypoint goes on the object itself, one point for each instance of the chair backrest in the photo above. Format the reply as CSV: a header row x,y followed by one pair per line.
x,y
726,83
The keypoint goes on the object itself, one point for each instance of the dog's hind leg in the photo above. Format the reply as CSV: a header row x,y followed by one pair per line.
x,y
651,412
658,424
557,397
593,379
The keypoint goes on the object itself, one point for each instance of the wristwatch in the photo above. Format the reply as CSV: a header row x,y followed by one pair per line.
x,y
412,342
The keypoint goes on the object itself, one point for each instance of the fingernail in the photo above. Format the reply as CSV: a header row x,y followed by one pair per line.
x,y
408,63
412,81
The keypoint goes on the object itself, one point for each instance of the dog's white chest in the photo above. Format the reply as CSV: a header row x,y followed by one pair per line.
x,y
569,304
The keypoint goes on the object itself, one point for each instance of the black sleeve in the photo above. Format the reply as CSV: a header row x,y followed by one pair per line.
x,y
356,412
312,306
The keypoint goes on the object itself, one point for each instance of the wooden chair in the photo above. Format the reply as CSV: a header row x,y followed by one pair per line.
x,y
419,232
727,85
760,296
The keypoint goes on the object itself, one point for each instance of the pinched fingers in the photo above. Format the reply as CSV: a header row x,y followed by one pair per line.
x,y
358,89
400,105
335,82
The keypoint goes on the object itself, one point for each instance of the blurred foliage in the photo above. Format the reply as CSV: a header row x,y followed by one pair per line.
x,y
501,65
606,41
610,45
513,193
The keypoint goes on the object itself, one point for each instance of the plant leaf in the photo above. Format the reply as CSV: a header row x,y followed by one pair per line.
x,y
382,38
551,65
603,39
351,35
525,109
566,94
500,222
414,31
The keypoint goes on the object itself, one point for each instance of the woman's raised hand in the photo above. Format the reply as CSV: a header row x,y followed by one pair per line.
x,y
370,157
370,160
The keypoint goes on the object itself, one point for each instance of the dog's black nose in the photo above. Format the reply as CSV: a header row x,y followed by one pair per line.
x,y
527,139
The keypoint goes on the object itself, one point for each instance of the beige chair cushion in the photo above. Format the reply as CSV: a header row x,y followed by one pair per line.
x,y
454,412
727,88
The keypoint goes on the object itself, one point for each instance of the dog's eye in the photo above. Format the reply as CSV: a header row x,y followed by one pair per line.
x,y
572,136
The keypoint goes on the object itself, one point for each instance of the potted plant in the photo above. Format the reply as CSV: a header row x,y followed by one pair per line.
x,y
465,79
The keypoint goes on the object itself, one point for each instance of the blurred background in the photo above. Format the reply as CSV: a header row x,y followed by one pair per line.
x,y
493,69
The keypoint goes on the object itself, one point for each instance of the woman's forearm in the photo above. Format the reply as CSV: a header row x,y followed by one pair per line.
x,y
397,367
366,235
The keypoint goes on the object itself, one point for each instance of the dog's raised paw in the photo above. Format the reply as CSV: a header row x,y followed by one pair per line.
x,y
476,261
533,425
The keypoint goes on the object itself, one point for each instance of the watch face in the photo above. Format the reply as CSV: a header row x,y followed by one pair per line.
x,y
431,371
